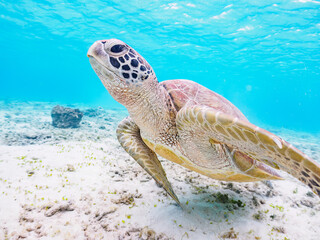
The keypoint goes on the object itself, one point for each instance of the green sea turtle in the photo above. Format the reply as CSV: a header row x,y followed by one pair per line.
x,y
190,125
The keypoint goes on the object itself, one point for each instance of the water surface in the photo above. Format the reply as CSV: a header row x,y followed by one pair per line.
x,y
264,56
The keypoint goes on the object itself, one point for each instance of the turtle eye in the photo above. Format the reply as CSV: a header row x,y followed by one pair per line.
x,y
117,48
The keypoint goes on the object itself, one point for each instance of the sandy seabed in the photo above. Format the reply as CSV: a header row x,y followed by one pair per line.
x,y
80,184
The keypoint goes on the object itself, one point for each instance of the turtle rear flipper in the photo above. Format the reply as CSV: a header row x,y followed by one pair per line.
x,y
250,140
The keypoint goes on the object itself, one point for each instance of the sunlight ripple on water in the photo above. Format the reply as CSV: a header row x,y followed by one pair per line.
x,y
262,55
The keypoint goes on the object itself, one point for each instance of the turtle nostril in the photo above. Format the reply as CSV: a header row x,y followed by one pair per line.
x,y
103,41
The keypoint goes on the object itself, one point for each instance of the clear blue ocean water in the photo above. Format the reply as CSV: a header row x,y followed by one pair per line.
x,y
262,55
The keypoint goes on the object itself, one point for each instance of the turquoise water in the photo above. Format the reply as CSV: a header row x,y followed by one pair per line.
x,y
264,56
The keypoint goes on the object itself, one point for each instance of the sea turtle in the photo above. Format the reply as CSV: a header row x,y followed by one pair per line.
x,y
190,125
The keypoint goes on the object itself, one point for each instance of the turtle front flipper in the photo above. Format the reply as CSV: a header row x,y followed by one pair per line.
x,y
128,134
244,139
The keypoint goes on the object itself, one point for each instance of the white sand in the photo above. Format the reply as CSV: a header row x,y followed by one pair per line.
x,y
80,184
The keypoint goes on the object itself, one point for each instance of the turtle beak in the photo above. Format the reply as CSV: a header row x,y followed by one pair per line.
x,y
96,49
91,50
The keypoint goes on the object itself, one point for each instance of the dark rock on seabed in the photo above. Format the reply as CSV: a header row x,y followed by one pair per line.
x,y
66,117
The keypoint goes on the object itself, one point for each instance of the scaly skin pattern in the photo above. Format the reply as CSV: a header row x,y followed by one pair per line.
x,y
190,125
128,134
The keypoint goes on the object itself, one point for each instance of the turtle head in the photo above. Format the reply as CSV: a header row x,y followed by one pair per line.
x,y
120,68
